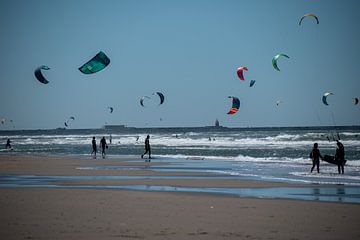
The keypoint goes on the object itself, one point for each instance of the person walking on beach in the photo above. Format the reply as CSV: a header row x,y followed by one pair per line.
x,y
8,145
315,156
103,145
340,156
94,150
147,147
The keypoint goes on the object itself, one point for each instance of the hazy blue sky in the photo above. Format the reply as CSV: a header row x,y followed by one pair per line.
x,y
189,50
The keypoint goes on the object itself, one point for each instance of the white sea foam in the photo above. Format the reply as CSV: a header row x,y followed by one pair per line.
x,y
193,139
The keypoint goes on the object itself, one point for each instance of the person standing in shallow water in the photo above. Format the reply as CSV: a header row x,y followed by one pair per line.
x,y
147,147
94,150
315,156
103,146
340,156
8,145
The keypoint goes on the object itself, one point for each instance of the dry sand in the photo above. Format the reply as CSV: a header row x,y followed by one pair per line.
x,y
53,213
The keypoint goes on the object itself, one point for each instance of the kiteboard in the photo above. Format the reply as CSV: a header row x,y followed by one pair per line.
x,y
330,159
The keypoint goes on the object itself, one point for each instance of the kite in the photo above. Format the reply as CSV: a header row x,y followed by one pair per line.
x,y
324,98
5,121
235,105
68,121
96,64
161,96
39,76
309,15
274,60
252,82
278,103
355,100
240,71
142,100
111,109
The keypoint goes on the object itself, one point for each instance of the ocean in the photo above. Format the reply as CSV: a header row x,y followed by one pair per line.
x,y
266,154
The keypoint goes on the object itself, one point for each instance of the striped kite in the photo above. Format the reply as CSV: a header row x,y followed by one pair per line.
x,y
309,15
240,73
235,105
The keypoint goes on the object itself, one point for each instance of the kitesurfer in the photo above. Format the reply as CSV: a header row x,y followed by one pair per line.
x,y
147,147
94,150
8,145
103,146
315,156
340,156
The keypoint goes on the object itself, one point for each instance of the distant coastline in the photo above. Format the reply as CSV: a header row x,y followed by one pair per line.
x,y
125,129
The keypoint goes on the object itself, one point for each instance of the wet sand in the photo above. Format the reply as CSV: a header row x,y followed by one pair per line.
x,y
56,213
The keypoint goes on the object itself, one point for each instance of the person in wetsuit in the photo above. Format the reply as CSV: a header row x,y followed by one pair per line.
x,y
94,150
103,146
340,156
147,147
315,156
8,145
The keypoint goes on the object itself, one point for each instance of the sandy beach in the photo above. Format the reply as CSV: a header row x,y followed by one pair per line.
x,y
99,213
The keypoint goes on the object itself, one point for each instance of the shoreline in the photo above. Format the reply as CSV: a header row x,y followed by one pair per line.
x,y
76,211
165,175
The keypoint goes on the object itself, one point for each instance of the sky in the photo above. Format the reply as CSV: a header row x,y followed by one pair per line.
x,y
187,49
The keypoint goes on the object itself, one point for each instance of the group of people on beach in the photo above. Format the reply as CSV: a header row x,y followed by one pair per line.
x,y
315,155
104,145
339,157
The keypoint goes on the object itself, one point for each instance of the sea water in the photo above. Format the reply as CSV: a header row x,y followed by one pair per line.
x,y
269,154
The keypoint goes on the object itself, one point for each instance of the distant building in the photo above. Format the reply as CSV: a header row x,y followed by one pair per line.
x,y
114,127
217,124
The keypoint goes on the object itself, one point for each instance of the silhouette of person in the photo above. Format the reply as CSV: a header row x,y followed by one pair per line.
x,y
94,150
147,147
8,145
103,146
315,156
340,156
